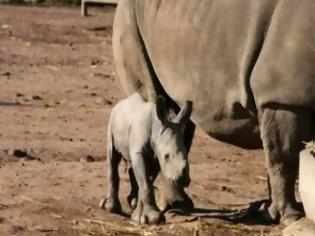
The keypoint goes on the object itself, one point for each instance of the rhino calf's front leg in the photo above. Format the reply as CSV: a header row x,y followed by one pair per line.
x,y
146,211
152,169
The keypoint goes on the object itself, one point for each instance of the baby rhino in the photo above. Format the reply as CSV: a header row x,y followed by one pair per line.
x,y
142,133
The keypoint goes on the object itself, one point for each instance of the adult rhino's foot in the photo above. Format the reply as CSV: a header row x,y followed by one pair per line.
x,y
147,215
111,205
176,200
289,215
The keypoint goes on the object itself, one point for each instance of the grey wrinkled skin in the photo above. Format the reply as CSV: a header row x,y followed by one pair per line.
x,y
247,66
142,133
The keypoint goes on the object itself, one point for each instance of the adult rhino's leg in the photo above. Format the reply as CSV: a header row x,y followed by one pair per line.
x,y
282,132
137,75
132,65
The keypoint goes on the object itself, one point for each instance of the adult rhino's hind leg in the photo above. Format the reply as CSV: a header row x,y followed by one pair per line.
x,y
130,61
282,132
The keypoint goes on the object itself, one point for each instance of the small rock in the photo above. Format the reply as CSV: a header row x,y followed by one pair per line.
x,y
226,189
6,73
108,102
36,98
93,94
5,26
17,153
22,154
16,228
95,62
83,105
88,159
51,103
99,101
2,220
19,95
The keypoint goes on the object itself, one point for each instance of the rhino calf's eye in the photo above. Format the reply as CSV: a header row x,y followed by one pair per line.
x,y
167,157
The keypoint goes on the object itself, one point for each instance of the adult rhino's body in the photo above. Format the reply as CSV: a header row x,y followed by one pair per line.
x,y
248,66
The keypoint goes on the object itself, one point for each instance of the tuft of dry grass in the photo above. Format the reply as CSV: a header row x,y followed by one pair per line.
x,y
91,227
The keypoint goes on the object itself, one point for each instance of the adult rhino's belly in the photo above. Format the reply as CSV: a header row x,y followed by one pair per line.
x,y
205,58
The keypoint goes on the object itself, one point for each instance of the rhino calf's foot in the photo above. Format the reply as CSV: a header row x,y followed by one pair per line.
x,y
147,215
111,205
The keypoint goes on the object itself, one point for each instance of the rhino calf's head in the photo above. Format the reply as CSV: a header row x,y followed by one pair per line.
x,y
169,144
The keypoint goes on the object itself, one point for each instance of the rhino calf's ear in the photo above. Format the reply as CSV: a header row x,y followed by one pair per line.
x,y
161,109
183,116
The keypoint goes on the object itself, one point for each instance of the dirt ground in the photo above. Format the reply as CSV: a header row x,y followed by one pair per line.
x,y
58,86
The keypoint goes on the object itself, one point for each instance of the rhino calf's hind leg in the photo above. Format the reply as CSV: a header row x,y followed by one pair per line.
x,y
111,203
282,133
133,195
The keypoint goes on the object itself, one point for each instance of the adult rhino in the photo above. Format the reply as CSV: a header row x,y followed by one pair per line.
x,y
248,66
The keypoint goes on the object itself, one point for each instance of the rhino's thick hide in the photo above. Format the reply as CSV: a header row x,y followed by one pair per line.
x,y
231,57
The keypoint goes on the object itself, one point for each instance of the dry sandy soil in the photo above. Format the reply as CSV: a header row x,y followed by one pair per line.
x,y
58,86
